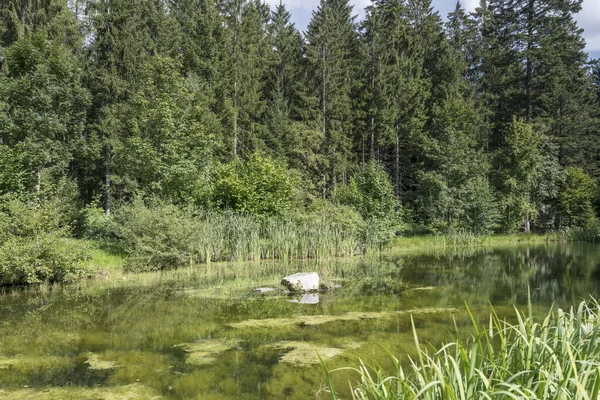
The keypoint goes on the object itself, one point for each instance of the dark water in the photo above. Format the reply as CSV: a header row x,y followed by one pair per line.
x,y
203,334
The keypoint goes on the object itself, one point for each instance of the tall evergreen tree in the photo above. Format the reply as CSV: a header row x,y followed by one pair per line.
x,y
292,134
332,51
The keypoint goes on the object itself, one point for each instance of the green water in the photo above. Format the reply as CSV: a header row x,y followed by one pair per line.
x,y
203,334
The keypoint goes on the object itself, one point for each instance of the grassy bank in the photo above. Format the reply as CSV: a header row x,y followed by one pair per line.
x,y
109,261
556,358
417,243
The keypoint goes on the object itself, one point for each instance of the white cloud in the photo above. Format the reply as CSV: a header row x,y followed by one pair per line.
x,y
469,4
588,18
296,4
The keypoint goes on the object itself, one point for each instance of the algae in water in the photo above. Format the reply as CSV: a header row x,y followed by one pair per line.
x,y
127,392
314,320
206,352
95,363
305,354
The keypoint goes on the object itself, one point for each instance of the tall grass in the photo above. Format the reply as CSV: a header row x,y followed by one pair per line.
x,y
166,236
558,358
238,237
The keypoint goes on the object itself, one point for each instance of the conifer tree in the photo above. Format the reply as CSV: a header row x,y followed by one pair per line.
x,y
332,52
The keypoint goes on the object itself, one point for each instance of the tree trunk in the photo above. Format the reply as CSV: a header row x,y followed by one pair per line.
x,y
527,222
529,66
38,181
107,182
235,87
397,164
23,11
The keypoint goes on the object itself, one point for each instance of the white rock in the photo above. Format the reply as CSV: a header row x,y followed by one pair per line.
x,y
302,282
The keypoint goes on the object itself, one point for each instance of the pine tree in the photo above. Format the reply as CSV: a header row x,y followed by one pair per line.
x,y
535,68
332,51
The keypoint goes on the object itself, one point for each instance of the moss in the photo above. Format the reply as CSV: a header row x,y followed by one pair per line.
x,y
128,392
206,352
314,320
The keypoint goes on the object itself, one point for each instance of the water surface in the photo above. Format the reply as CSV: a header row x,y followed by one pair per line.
x,y
203,334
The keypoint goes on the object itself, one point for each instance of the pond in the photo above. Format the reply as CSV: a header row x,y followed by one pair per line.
x,y
203,333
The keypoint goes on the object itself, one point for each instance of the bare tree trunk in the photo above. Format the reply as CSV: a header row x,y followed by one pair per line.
x,y
107,182
23,11
323,91
38,181
529,66
527,222
235,86
397,164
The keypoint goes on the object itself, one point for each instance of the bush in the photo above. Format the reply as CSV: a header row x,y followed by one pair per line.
x,y
34,246
576,198
97,225
371,193
257,185
157,237
47,258
161,236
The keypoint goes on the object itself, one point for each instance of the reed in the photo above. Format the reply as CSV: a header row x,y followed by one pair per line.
x,y
167,237
557,358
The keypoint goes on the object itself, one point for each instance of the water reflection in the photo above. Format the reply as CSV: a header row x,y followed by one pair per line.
x,y
559,274
178,335
306,298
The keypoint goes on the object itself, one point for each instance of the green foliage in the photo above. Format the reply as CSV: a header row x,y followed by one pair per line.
x,y
256,185
525,360
96,224
34,247
45,118
13,178
171,132
159,237
520,162
371,193
575,199
162,236
189,101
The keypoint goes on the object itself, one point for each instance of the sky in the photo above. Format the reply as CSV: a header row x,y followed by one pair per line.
x,y
588,18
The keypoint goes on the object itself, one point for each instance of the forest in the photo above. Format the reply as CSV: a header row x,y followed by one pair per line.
x,y
191,131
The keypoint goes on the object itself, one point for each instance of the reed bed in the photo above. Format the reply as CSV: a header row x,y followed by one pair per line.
x,y
169,237
237,237
558,358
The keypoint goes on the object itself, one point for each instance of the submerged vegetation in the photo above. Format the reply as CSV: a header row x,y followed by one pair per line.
x,y
202,333
555,358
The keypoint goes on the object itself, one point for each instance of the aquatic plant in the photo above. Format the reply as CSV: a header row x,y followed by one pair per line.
x,y
557,358
163,236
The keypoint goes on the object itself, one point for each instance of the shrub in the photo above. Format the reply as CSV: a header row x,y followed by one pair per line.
x,y
157,237
45,258
576,198
161,236
97,225
371,193
34,245
257,185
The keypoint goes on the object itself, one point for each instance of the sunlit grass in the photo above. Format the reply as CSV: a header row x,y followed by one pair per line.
x,y
420,243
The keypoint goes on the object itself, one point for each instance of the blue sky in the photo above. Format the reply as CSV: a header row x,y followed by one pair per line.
x,y
589,18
